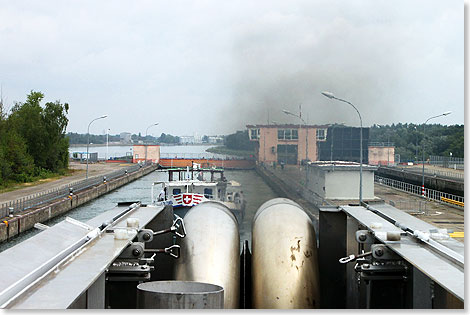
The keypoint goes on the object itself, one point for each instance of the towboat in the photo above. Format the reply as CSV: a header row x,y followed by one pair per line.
x,y
190,186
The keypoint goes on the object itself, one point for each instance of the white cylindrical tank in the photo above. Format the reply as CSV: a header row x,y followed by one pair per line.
x,y
284,257
210,252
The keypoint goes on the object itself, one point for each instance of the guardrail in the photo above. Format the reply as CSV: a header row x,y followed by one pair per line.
x,y
432,194
34,200
437,173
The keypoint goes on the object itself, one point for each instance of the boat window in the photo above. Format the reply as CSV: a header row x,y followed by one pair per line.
x,y
176,191
208,192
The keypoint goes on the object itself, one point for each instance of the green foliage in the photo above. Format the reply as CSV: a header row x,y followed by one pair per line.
x,y
32,140
164,138
239,141
408,139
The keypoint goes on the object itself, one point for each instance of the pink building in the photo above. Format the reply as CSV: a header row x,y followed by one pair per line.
x,y
153,153
286,143
381,154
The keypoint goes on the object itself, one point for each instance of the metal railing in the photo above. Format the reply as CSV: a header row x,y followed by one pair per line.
x,y
432,172
416,190
447,161
34,200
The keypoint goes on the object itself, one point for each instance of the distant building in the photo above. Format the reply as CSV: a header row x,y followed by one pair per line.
x,y
381,153
153,153
191,139
343,144
125,137
286,143
215,139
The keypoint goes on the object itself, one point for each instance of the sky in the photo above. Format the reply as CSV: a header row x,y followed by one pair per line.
x,y
212,67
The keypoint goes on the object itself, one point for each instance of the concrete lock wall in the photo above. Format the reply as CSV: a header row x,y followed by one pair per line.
x,y
25,221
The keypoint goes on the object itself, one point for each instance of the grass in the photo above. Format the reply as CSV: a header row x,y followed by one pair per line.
x,y
225,150
11,186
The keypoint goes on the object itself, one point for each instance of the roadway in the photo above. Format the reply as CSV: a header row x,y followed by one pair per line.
x,y
94,169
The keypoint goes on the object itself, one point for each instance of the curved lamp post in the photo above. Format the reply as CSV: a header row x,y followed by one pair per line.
x,y
423,192
146,138
306,130
331,96
88,142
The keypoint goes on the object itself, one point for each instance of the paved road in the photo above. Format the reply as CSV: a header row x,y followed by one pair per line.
x,y
437,214
98,169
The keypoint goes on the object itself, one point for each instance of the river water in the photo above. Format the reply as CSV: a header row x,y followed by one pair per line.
x,y
255,190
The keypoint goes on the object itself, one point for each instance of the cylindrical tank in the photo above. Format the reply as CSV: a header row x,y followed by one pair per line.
x,y
284,257
179,294
210,252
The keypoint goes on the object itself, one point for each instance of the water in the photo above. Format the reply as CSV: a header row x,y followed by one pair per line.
x,y
123,150
255,190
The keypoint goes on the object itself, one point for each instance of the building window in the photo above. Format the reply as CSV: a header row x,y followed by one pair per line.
x,y
254,134
287,134
295,134
321,134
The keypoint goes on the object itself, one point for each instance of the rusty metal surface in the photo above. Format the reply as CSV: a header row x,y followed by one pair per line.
x,y
73,276
210,252
284,257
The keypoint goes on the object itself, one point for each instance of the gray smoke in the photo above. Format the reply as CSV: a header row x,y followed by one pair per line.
x,y
281,64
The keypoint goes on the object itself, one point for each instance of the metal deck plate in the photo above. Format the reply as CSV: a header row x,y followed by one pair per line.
x,y
59,289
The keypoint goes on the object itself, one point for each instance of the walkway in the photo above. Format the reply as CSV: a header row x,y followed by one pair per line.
x,y
97,169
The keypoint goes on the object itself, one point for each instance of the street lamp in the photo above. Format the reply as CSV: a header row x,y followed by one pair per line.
x,y
88,142
306,130
423,192
146,138
331,96
107,141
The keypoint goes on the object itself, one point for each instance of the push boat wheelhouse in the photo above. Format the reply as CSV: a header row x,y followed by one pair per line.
x,y
187,187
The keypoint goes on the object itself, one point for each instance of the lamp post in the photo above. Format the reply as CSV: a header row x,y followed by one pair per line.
x,y
306,142
331,96
417,144
107,141
306,130
146,138
88,142
423,192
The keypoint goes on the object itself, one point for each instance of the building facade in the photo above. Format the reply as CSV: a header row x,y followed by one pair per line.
x,y
343,144
288,143
125,137
381,153
151,151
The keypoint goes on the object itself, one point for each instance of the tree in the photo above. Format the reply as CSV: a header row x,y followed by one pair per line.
x,y
239,141
32,139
